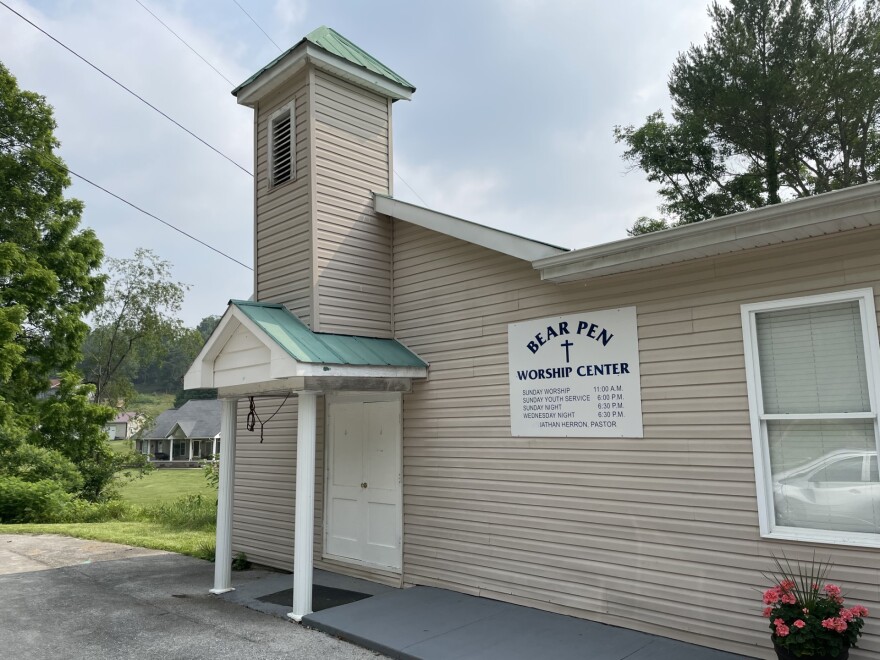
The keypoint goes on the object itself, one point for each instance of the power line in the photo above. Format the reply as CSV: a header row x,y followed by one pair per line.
x,y
140,98
410,187
61,164
183,41
258,26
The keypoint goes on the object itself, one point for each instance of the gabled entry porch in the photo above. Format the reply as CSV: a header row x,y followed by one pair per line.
x,y
261,351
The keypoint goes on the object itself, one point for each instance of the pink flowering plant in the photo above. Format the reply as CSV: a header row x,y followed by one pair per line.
x,y
808,617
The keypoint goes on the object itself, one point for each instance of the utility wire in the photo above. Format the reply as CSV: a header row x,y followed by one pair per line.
x,y
258,26
410,187
61,164
183,41
140,98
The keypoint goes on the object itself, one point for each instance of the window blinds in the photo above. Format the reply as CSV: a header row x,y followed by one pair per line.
x,y
812,359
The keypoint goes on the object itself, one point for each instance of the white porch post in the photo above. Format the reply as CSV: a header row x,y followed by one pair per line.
x,y
223,552
213,447
304,523
171,449
190,450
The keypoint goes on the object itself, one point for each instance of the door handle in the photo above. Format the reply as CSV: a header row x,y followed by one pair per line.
x,y
364,484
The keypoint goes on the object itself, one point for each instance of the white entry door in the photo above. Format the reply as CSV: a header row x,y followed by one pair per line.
x,y
363,520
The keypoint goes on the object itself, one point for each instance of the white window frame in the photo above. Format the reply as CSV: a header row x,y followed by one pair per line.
x,y
760,445
270,127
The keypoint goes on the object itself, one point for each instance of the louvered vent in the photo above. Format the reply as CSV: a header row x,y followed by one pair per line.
x,y
282,147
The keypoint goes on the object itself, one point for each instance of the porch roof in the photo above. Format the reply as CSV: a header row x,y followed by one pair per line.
x,y
303,345
263,347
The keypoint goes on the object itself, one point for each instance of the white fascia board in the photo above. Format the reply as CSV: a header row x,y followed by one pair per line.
x,y
359,371
487,237
290,65
269,387
833,212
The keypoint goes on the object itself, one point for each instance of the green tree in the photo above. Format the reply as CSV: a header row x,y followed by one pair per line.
x,y
164,362
48,269
206,326
48,284
140,309
781,101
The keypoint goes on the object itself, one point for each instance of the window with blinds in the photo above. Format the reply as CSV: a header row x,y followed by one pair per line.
x,y
281,146
810,369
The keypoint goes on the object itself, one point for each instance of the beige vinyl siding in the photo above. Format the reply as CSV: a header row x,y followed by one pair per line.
x,y
265,483
353,259
283,234
658,534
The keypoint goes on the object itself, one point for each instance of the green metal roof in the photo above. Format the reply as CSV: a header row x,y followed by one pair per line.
x,y
303,345
334,43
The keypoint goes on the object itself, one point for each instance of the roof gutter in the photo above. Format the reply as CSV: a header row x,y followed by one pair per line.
x,y
851,208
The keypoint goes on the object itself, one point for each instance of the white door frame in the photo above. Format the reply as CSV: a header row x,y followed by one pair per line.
x,y
362,397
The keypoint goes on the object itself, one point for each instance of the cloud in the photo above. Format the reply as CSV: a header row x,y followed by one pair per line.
x,y
291,14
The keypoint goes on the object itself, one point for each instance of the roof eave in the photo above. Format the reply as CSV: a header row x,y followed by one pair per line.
x,y
472,232
833,212
275,74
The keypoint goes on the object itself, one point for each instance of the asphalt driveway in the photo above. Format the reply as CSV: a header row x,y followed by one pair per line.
x,y
70,598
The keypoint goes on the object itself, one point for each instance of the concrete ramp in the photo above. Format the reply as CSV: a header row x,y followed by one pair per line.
x,y
437,624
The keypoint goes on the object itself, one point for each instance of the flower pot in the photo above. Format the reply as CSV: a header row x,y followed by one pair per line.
x,y
785,654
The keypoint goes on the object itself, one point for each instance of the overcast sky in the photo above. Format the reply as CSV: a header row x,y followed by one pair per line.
x,y
511,124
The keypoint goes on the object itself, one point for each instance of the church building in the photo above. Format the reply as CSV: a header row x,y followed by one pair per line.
x,y
624,433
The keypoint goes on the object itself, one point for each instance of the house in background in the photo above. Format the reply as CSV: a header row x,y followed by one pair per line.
x,y
54,384
183,436
124,425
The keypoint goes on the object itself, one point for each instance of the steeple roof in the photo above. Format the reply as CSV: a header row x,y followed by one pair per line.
x,y
334,43
330,42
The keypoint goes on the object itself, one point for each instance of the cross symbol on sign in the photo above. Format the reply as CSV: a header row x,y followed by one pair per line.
x,y
566,345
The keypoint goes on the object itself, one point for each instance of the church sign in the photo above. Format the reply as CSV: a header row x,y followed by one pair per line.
x,y
576,375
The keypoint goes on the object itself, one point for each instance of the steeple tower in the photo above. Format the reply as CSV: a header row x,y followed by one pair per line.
x,y
322,136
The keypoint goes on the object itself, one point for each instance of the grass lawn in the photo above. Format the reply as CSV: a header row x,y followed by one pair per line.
x,y
142,534
166,485
158,517
150,403
121,446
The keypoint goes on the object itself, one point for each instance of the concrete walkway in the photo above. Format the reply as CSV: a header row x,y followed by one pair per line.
x,y
74,599
436,624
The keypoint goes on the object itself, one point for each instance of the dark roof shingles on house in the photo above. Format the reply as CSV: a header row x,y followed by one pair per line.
x,y
196,418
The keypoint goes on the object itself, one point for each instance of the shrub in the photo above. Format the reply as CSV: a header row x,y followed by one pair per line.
x,y
205,550
32,463
82,511
240,562
31,501
193,512
211,470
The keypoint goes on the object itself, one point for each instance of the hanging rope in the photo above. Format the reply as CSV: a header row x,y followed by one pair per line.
x,y
253,417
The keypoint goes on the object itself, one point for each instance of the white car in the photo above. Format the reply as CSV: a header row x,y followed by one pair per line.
x,y
837,491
